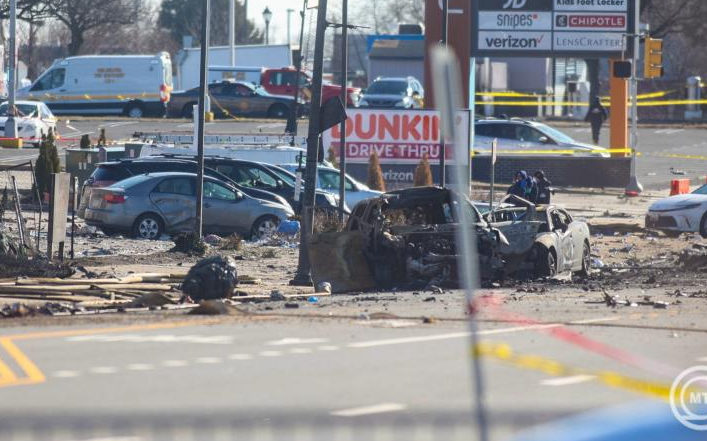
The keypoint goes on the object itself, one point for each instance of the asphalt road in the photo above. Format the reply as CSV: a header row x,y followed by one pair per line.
x,y
328,379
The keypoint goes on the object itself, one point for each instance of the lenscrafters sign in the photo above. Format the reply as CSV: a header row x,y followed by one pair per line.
x,y
552,28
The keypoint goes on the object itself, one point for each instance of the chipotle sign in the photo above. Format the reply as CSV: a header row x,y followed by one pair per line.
x,y
397,136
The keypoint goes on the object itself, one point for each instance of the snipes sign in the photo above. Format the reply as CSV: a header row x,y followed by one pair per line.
x,y
398,137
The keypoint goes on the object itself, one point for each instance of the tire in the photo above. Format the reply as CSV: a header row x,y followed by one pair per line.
x,y
135,110
188,111
703,226
586,262
278,111
672,233
545,262
148,226
264,226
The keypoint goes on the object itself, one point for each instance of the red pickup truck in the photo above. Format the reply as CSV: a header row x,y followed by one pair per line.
x,y
282,82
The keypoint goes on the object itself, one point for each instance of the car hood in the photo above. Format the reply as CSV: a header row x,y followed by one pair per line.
x,y
582,146
287,211
373,96
678,201
19,119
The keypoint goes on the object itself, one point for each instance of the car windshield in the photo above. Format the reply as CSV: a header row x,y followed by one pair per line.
x,y
28,110
283,175
388,88
701,190
555,134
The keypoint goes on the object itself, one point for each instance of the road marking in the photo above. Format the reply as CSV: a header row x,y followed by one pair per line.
x,y
175,363
240,357
103,370
296,341
300,351
91,331
327,348
566,381
32,372
166,338
668,131
19,158
270,353
140,367
585,130
66,374
117,124
369,410
270,126
209,360
702,359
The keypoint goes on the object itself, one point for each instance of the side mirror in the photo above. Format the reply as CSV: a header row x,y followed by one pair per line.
x,y
239,196
280,185
544,139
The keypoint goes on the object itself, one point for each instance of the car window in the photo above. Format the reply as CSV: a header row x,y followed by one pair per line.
x,y
701,190
284,78
388,87
28,110
110,173
481,129
51,80
527,134
502,131
248,176
241,90
45,112
216,89
212,190
183,186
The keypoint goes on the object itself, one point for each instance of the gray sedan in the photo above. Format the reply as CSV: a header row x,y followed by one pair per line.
x,y
152,204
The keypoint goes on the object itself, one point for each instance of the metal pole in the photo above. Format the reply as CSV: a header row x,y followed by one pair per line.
x,y
267,33
205,11
344,100
232,31
303,275
634,187
39,201
289,31
494,146
74,186
11,124
292,120
442,145
472,114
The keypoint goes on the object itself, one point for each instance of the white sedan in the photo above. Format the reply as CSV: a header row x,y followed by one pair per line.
x,y
33,119
685,213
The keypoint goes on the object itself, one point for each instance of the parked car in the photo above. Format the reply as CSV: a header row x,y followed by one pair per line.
x,y
546,239
108,173
34,119
401,93
685,213
153,204
328,180
132,85
233,98
518,135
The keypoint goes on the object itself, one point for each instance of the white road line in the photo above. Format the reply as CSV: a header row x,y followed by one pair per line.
x,y
566,381
140,367
702,359
209,360
270,353
103,370
369,410
175,363
66,374
668,131
327,348
118,124
296,341
240,357
19,158
300,351
270,126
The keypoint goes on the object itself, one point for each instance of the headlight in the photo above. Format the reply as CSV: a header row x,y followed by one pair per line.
x,y
688,207
363,102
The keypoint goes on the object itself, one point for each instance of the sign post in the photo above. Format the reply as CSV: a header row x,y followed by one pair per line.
x,y
494,146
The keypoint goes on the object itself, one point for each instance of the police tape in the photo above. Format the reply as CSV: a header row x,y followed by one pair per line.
x,y
539,103
625,151
49,97
503,352
511,94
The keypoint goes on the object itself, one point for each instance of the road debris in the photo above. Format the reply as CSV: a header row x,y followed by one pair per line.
x,y
211,278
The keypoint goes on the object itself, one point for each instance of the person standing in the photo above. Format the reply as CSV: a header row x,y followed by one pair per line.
x,y
544,188
596,116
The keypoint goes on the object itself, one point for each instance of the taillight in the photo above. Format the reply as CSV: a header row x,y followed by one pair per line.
x,y
164,93
113,198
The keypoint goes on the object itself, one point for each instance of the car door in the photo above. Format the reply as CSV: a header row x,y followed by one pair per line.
x,y
221,103
578,234
565,245
221,209
506,135
174,199
531,138
249,102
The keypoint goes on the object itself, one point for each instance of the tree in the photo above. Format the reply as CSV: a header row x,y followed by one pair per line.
x,y
375,174
423,174
183,17
82,16
47,163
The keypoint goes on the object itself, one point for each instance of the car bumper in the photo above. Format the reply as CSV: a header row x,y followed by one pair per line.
x,y
108,218
675,221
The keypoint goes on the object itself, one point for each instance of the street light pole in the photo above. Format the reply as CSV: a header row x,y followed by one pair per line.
x,y
205,11
11,124
344,100
289,32
442,145
232,31
267,16
634,187
292,120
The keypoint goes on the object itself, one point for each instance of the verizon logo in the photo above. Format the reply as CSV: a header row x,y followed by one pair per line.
x,y
511,42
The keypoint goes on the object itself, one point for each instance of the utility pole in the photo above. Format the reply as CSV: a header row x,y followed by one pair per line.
x,y
11,124
289,31
634,187
344,100
292,120
303,276
205,12
232,31
442,144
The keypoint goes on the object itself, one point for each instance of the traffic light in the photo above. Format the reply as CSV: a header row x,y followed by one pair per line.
x,y
653,58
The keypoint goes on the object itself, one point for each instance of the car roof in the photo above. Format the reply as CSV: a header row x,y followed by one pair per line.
x,y
505,121
25,102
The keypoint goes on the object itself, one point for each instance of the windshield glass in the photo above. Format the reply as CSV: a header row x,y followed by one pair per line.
x,y
555,134
283,175
701,190
388,88
28,110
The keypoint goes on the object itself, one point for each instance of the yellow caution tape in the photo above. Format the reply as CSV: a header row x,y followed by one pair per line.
x,y
551,152
503,352
511,94
654,103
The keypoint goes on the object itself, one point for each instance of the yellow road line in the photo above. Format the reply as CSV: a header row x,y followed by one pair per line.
x,y
6,374
32,372
90,331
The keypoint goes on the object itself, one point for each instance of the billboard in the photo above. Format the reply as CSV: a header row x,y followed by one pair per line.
x,y
552,28
398,137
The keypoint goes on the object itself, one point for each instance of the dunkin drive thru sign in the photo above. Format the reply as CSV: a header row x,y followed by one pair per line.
x,y
398,137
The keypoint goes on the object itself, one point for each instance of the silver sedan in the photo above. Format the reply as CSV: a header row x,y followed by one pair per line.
x,y
150,205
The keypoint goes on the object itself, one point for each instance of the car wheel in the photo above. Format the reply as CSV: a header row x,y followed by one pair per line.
x,y
672,233
264,227
545,262
278,111
586,262
135,110
188,111
703,226
148,226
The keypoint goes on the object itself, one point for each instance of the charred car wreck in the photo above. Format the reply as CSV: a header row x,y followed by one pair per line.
x,y
403,239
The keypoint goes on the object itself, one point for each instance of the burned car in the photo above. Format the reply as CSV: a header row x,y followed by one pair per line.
x,y
405,239
543,240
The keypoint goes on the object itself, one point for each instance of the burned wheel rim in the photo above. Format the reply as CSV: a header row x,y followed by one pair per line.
x,y
703,226
265,227
148,228
586,259
135,112
551,264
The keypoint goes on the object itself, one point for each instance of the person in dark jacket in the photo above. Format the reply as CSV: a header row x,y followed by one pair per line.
x,y
596,116
524,186
544,188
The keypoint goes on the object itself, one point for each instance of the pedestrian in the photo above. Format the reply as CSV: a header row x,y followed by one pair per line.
x,y
524,186
544,188
596,116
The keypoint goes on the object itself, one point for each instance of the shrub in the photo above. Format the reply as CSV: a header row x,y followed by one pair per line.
x,y
233,242
189,243
375,174
102,141
47,163
423,174
85,142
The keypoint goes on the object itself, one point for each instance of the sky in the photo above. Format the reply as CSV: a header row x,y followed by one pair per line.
x,y
278,25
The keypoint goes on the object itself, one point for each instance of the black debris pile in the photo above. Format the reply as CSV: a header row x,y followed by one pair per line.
x,y
211,278
693,258
14,266
18,310
189,243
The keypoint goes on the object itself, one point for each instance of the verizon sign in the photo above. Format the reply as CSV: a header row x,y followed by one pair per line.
x,y
397,137
551,28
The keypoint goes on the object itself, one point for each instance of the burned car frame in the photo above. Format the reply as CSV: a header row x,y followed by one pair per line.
x,y
403,238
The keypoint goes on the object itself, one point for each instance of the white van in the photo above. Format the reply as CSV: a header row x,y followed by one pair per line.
x,y
270,155
132,85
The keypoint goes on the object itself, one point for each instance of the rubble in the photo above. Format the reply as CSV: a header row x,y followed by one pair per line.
x,y
211,278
